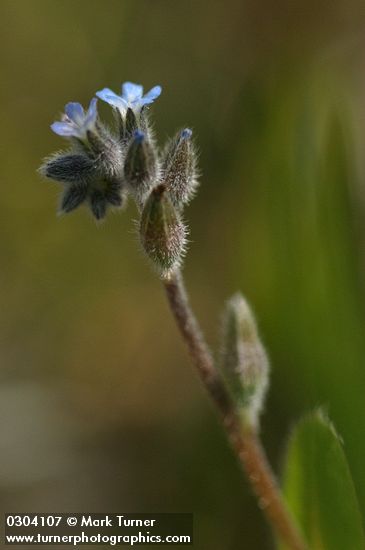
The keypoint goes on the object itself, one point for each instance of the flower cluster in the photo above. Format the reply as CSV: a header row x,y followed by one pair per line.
x,y
103,166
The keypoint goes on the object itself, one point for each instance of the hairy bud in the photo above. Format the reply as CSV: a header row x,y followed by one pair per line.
x,y
179,170
68,168
163,235
106,151
244,363
140,169
91,173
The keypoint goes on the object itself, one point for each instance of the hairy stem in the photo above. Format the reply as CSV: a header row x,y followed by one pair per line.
x,y
245,443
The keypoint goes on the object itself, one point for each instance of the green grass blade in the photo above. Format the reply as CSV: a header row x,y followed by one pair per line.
x,y
319,488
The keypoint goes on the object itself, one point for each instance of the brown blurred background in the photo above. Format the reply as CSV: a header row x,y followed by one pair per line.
x,y
99,407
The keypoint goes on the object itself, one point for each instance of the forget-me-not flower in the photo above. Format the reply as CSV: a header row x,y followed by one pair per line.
x,y
92,173
104,165
131,97
76,122
84,180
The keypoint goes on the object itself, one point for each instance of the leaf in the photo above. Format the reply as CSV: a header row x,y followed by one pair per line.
x,y
319,488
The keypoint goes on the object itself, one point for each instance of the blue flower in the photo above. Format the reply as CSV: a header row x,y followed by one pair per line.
x,y
75,122
131,97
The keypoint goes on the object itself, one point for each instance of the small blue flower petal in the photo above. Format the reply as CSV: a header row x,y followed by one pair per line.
x,y
131,97
107,95
91,114
63,129
106,92
75,122
132,92
75,112
150,96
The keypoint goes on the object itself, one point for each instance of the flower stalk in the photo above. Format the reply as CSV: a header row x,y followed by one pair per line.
x,y
100,169
244,441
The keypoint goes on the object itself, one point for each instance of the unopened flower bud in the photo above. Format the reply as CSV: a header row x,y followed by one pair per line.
x,y
244,362
179,170
140,169
163,234
68,168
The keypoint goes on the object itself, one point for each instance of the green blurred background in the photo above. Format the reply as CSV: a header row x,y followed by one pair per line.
x,y
99,407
